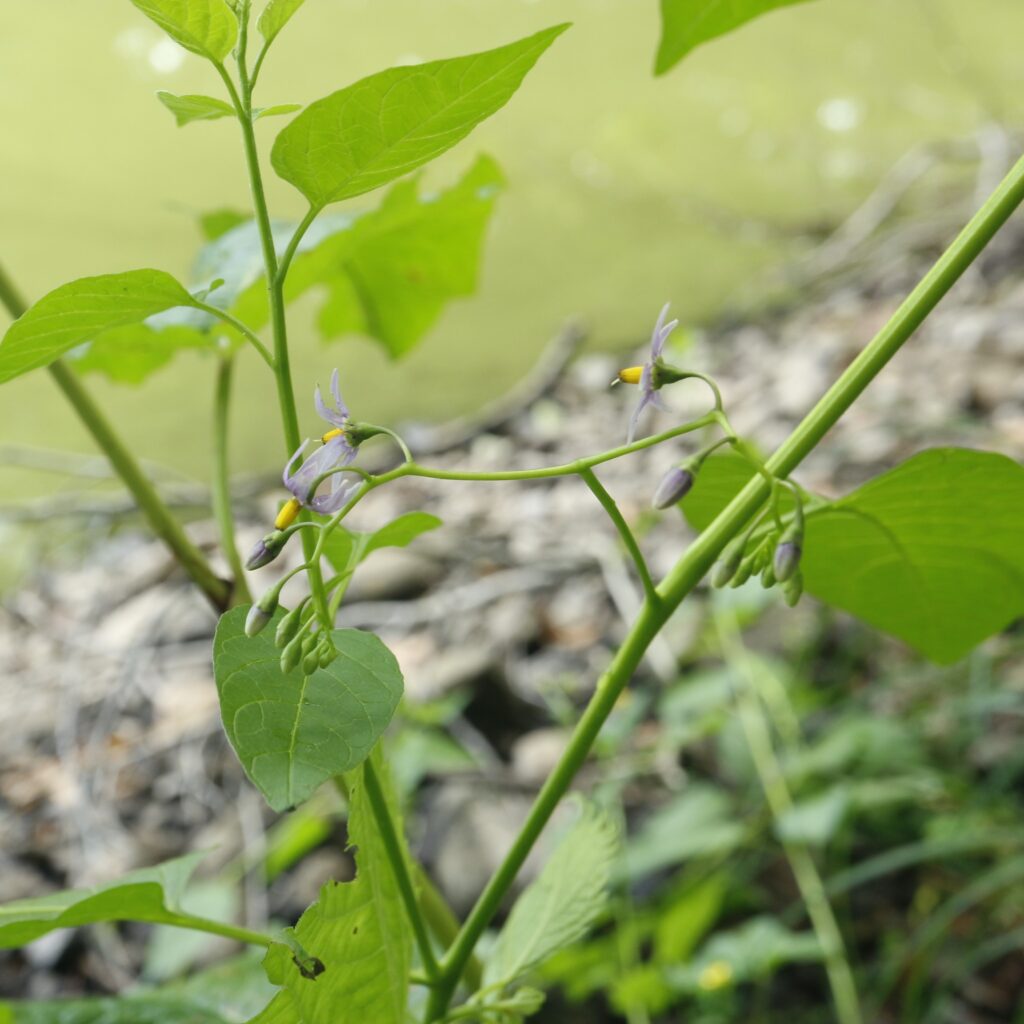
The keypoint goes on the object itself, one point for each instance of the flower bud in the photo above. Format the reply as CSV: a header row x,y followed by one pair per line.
x,y
728,562
262,612
288,627
674,486
793,588
291,654
266,550
310,663
786,559
767,577
744,572
326,652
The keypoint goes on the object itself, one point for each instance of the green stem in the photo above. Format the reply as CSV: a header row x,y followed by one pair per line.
x,y
780,802
221,477
275,293
444,924
628,539
229,931
399,866
242,328
698,558
164,525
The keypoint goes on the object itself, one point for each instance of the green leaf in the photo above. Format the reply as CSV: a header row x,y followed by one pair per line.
x,y
206,27
275,16
223,994
931,552
347,548
816,820
560,906
187,109
384,126
79,311
152,894
131,353
392,272
753,950
275,111
220,222
686,24
292,732
357,930
698,823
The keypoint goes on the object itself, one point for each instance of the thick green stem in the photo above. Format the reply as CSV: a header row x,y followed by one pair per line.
x,y
399,866
222,478
625,533
159,517
444,924
699,556
780,802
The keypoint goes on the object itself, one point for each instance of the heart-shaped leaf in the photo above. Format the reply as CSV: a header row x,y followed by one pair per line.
x,y
291,731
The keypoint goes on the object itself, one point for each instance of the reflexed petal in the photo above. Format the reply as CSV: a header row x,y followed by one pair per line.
x,y
634,420
286,476
338,416
661,332
342,488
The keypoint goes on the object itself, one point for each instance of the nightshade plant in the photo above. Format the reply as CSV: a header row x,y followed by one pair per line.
x,y
931,551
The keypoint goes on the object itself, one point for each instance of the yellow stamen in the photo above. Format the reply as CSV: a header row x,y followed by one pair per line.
x,y
716,975
631,375
289,510
331,434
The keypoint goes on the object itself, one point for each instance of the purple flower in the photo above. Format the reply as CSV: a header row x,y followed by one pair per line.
x,y
646,375
337,451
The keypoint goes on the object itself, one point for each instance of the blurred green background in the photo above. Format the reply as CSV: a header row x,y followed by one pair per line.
x,y
623,190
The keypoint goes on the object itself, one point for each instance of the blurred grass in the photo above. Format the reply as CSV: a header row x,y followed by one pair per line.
x,y
623,190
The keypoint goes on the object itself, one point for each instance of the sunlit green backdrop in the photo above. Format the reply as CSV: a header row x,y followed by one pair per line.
x,y
623,190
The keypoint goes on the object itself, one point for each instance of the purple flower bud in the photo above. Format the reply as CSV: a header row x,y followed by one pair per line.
x,y
674,486
265,550
786,560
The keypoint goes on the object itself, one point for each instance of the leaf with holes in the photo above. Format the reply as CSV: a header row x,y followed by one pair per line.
x,y
387,125
356,936
290,731
686,24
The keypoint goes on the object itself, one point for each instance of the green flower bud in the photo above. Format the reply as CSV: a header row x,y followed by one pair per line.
x,y
744,572
793,588
326,651
310,663
767,577
728,562
288,627
291,654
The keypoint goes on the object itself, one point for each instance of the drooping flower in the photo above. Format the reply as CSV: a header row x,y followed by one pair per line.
x,y
648,376
338,449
